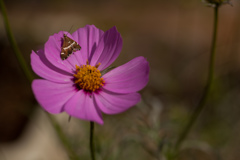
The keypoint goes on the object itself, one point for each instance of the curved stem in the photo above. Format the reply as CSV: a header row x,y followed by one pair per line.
x,y
207,89
14,45
29,76
92,141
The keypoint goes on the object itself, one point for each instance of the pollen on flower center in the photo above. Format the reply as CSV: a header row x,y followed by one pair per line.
x,y
88,77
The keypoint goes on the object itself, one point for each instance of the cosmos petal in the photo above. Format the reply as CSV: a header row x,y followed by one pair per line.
x,y
128,78
82,106
52,96
88,38
108,49
42,67
112,103
52,51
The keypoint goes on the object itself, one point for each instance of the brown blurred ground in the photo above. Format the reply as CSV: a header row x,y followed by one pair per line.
x,y
174,36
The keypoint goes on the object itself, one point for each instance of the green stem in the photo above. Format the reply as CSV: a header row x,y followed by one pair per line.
x,y
29,76
92,141
207,89
14,45
63,138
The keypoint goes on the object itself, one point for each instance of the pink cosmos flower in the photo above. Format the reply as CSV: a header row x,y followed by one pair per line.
x,y
77,86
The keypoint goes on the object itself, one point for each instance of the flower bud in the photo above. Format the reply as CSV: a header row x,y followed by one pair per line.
x,y
213,3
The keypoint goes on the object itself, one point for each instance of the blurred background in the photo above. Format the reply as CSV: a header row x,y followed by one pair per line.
x,y
174,36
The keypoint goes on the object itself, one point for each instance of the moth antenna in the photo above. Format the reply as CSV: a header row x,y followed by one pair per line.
x,y
69,30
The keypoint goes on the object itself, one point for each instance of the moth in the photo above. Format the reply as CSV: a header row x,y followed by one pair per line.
x,y
68,47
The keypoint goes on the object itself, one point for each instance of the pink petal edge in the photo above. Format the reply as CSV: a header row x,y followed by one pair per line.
x,y
52,96
88,38
128,78
42,67
82,106
108,50
111,103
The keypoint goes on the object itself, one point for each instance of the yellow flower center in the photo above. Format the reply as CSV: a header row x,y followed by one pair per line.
x,y
88,77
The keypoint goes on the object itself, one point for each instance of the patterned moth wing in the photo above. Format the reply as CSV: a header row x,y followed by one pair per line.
x,y
69,46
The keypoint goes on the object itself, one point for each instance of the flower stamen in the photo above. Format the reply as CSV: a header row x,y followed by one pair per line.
x,y
88,77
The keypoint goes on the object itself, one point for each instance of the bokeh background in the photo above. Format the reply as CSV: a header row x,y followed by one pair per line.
x,y
175,37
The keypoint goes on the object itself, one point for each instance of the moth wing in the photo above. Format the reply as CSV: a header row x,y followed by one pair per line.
x,y
76,47
66,41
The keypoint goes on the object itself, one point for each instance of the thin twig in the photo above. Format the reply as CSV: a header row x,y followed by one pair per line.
x,y
92,150
14,45
29,76
207,89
